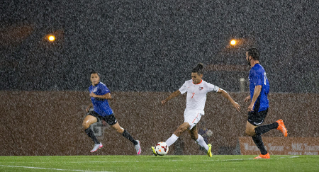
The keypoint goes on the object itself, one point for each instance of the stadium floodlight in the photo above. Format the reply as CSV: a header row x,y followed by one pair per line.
x,y
51,38
233,42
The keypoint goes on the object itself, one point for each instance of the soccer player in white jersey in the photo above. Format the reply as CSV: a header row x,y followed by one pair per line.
x,y
196,90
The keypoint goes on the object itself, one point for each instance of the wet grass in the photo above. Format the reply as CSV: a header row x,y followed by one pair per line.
x,y
166,163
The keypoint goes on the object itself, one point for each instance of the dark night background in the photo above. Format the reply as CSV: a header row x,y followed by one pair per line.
x,y
153,45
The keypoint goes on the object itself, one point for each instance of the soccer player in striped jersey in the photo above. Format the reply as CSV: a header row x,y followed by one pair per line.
x,y
196,90
258,108
100,95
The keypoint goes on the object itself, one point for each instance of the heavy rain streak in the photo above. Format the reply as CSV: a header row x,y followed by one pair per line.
x,y
143,51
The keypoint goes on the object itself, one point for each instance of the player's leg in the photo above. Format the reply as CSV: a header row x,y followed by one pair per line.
x,y
194,133
171,140
174,136
255,119
250,130
279,125
190,120
88,120
197,137
265,128
124,133
177,133
200,140
111,120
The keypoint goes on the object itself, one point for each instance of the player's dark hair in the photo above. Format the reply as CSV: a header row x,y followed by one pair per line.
x,y
199,69
95,72
254,53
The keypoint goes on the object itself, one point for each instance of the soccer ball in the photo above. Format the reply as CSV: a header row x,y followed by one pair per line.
x,y
209,133
161,148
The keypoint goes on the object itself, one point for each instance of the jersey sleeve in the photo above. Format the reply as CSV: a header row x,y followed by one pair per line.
x,y
104,90
211,87
183,89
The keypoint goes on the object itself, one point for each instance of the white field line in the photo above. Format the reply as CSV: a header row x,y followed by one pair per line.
x,y
88,162
294,157
42,168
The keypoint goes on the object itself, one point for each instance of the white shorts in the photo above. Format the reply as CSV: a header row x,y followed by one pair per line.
x,y
192,117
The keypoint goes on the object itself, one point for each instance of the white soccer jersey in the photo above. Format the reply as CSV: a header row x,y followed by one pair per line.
x,y
196,94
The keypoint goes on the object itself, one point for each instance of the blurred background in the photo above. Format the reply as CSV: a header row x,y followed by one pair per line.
x,y
152,46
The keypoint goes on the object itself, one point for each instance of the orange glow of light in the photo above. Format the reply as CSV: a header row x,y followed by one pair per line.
x,y
51,38
233,42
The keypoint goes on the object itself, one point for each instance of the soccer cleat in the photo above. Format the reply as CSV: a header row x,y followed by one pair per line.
x,y
96,147
267,156
209,152
281,127
153,150
138,147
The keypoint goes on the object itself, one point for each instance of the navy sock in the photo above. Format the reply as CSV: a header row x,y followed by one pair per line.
x,y
259,143
265,128
90,133
128,136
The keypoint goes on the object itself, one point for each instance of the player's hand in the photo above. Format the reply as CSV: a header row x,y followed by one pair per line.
x,y
88,108
250,107
247,99
92,94
237,106
163,102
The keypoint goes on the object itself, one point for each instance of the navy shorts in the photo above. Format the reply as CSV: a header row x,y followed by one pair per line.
x,y
110,119
257,118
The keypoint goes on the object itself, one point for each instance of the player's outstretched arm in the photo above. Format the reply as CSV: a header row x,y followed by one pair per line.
x,y
227,96
176,93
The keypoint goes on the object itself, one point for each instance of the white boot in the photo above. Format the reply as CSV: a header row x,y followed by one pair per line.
x,y
96,147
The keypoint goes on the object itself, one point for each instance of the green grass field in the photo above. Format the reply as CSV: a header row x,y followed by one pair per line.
x,y
166,163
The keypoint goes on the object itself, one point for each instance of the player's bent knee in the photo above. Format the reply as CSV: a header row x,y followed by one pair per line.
x,y
85,125
120,130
